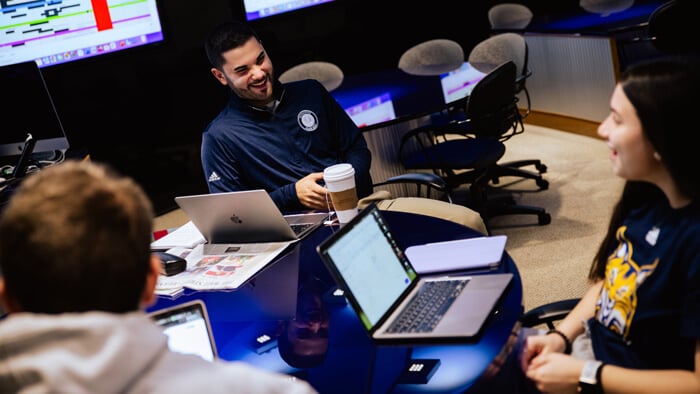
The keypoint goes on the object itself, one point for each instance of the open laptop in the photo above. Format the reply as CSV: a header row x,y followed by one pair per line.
x,y
368,264
246,216
188,329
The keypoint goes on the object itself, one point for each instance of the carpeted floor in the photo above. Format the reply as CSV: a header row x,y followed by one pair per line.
x,y
554,259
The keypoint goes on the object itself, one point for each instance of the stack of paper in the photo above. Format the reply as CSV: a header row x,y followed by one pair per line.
x,y
459,255
186,236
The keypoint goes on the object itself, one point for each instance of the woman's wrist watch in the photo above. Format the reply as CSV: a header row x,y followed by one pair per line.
x,y
589,381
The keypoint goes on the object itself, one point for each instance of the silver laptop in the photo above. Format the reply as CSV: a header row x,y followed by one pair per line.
x,y
188,329
246,216
380,283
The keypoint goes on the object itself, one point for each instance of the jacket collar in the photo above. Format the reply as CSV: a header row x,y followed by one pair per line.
x,y
278,90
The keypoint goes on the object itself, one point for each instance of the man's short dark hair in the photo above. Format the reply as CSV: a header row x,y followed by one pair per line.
x,y
76,237
224,37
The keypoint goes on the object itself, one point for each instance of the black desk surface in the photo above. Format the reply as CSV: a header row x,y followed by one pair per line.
x,y
352,363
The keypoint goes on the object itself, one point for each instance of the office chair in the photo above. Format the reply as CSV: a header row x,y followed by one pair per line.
x,y
466,150
329,74
509,17
484,57
548,314
667,27
664,32
432,57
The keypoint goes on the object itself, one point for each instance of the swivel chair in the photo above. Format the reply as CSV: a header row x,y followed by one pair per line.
x,y
466,151
668,25
484,57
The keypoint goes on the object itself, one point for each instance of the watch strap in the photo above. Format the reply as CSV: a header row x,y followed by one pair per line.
x,y
589,381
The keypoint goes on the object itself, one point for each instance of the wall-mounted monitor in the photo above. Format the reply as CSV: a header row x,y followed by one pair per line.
x,y
26,108
51,32
257,9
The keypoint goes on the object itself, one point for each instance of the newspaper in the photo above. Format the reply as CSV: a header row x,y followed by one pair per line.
x,y
219,266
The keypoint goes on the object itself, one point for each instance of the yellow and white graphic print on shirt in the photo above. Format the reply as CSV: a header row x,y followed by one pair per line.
x,y
623,276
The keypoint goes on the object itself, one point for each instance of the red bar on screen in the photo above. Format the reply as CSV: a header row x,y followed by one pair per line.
x,y
102,17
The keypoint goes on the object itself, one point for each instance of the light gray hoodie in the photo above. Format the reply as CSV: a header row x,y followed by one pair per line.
x,y
98,352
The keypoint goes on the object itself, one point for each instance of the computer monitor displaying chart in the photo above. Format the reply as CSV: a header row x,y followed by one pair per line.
x,y
56,32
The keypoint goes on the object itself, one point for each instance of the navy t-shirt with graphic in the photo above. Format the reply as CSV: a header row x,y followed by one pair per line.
x,y
648,312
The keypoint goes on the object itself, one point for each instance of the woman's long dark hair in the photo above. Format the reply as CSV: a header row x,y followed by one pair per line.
x,y
665,93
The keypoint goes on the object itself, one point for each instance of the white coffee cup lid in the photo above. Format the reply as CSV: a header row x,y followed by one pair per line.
x,y
338,171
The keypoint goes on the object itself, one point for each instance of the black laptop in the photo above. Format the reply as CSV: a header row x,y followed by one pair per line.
x,y
382,286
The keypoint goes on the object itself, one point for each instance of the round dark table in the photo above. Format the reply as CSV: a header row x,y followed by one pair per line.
x,y
352,363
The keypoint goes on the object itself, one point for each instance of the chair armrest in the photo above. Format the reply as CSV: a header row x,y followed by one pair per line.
x,y
522,77
428,179
548,313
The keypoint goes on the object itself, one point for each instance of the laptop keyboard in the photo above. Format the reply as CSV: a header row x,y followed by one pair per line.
x,y
298,228
428,306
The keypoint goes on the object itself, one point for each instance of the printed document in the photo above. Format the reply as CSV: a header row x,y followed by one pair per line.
x,y
219,266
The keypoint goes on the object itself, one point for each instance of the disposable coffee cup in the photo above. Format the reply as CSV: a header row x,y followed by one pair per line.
x,y
340,182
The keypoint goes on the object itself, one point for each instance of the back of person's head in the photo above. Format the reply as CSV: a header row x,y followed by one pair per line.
x,y
665,95
76,237
225,37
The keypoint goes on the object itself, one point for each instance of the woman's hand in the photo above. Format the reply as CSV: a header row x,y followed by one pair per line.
x,y
536,345
554,372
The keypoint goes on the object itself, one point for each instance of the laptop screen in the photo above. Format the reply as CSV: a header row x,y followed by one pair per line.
x,y
188,329
356,251
459,83
375,110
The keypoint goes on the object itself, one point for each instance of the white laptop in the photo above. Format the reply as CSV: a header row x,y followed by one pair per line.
x,y
188,329
379,281
246,217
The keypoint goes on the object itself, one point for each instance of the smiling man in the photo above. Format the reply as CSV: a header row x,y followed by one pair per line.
x,y
274,136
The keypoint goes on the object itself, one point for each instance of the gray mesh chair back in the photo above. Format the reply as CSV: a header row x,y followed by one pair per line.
x,y
605,7
500,48
432,57
329,74
485,56
509,16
